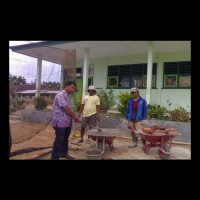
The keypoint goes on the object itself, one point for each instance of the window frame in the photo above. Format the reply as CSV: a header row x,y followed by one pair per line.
x,y
171,86
177,78
117,85
153,76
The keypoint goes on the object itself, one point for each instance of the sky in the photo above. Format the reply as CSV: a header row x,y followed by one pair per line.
x,y
26,66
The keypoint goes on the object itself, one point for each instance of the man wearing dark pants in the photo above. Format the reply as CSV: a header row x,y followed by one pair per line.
x,y
60,146
62,121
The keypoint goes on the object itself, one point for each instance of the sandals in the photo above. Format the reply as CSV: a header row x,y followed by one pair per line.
x,y
79,141
88,141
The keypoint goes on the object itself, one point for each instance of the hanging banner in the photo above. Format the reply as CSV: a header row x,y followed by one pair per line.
x,y
91,71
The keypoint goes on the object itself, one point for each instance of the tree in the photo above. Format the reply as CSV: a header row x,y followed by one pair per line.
x,y
14,80
51,83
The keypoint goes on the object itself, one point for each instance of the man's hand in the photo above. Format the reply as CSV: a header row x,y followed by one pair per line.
x,y
98,118
76,119
126,122
143,122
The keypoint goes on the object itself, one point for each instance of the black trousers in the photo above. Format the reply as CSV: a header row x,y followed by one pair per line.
x,y
60,145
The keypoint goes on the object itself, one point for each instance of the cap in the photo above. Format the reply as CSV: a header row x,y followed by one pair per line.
x,y
92,88
134,89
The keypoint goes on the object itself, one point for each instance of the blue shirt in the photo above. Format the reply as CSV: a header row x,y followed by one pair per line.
x,y
141,109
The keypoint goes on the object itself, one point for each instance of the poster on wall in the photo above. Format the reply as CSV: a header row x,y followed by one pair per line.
x,y
91,71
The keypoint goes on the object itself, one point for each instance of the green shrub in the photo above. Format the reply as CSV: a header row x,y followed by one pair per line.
x,y
78,104
123,99
20,102
107,99
40,103
157,112
179,114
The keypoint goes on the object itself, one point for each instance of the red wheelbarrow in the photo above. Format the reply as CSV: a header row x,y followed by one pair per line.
x,y
160,140
106,136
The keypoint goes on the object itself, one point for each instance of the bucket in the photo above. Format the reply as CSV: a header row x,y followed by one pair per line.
x,y
94,154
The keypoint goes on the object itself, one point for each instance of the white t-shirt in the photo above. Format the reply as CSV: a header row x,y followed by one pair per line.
x,y
90,103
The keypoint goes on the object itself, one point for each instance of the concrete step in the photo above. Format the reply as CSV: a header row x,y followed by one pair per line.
x,y
15,114
13,117
18,111
14,121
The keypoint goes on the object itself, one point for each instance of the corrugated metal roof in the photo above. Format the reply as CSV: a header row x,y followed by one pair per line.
x,y
41,92
17,88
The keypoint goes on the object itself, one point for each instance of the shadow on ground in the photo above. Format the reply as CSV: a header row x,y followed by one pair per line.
x,y
27,150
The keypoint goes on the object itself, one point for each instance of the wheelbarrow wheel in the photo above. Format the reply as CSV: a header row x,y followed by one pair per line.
x,y
162,155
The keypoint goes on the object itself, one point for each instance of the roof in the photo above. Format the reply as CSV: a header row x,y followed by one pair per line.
x,y
54,51
23,88
38,44
34,91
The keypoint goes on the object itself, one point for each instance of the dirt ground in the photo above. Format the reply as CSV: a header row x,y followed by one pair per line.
x,y
43,141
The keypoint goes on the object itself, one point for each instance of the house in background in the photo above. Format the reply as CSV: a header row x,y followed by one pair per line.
x,y
27,92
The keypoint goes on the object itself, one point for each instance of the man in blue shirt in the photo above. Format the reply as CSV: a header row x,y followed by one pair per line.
x,y
136,113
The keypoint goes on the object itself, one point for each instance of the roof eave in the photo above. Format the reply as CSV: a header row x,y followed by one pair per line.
x,y
39,44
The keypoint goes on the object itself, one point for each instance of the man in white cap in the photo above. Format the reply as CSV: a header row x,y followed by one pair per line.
x,y
90,108
136,113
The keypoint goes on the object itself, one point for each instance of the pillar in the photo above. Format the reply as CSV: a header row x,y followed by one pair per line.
x,y
85,71
149,72
38,79
62,77
159,81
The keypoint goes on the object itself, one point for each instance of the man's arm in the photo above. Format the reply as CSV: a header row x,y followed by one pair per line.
x,y
69,112
81,110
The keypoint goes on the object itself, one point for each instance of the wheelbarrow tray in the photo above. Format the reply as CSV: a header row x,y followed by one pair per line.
x,y
106,136
108,139
158,140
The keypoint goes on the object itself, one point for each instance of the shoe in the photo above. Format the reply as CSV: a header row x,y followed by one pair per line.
x,y
88,141
79,141
134,144
67,157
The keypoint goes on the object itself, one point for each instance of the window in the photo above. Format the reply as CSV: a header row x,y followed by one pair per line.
x,y
153,81
112,81
128,76
170,80
78,72
124,81
136,81
177,75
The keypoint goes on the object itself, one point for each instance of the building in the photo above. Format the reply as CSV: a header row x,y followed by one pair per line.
x,y
160,69
27,92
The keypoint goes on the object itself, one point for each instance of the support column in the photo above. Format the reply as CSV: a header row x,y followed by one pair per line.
x,y
149,72
62,77
85,71
38,79
159,81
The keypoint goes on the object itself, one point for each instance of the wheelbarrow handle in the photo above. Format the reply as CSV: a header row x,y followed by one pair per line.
x,y
91,126
137,132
